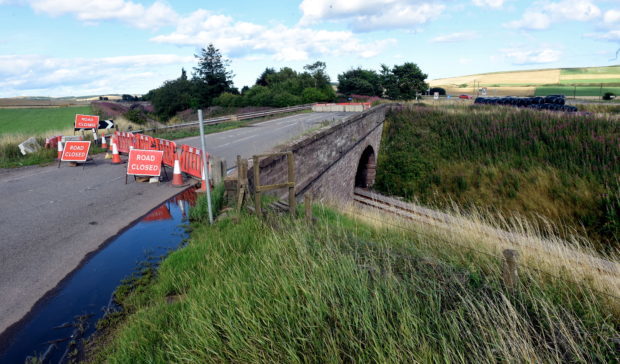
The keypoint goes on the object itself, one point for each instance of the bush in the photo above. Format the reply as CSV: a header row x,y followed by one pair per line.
x,y
228,99
136,116
284,99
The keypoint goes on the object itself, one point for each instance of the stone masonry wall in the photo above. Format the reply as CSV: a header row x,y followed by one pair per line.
x,y
326,162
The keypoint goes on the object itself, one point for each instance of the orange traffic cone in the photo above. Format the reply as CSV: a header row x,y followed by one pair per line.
x,y
203,183
104,144
116,158
60,149
177,177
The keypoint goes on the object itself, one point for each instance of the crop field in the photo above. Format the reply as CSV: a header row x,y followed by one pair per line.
x,y
39,102
580,90
590,71
489,79
537,82
37,121
592,81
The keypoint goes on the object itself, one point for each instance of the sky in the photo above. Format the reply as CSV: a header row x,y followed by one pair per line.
x,y
92,47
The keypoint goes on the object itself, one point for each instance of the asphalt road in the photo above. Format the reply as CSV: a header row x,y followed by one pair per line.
x,y
261,137
52,218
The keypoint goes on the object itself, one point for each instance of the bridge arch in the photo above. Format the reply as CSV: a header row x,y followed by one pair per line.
x,y
366,168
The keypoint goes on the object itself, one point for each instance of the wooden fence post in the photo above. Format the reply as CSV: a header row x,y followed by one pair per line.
x,y
257,193
292,203
511,272
308,207
238,175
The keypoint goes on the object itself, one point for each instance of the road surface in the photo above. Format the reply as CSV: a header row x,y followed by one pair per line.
x,y
52,218
261,137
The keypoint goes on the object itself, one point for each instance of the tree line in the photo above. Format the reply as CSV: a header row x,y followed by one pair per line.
x,y
211,85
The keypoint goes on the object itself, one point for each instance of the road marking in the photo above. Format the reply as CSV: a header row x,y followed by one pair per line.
x,y
236,141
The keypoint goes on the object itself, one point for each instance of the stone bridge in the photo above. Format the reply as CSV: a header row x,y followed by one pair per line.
x,y
333,161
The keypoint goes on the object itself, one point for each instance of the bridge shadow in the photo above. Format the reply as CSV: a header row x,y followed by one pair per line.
x,y
366,169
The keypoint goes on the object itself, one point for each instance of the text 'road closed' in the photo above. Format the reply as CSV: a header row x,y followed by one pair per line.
x,y
75,151
145,162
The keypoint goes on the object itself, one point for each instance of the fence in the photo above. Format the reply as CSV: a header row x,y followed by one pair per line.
x,y
190,158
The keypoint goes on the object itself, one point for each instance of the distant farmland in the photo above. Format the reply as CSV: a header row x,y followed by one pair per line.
x,y
569,81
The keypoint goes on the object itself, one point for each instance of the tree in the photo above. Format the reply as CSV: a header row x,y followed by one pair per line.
x,y
408,79
361,82
317,71
262,79
173,96
211,76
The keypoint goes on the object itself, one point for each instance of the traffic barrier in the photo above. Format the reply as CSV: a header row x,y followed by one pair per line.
x,y
123,141
104,143
144,142
191,161
52,142
170,150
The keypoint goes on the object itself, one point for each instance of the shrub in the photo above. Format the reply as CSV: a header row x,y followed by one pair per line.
x,y
136,116
609,96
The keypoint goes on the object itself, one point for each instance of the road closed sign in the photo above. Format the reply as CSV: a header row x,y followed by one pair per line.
x,y
86,122
145,162
75,151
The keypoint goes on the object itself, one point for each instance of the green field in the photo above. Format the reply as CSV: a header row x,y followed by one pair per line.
x,y
581,91
590,71
39,120
593,82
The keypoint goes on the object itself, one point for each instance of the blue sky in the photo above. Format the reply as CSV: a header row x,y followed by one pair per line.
x,y
71,47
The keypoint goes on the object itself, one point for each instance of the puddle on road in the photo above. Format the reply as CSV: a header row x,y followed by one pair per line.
x,y
84,296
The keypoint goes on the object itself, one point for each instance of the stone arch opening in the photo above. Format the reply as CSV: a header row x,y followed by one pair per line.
x,y
366,169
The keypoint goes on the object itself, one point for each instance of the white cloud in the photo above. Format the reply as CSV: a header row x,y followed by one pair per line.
x,y
542,14
34,74
455,37
369,15
612,17
531,21
611,35
153,16
609,29
242,39
519,56
490,3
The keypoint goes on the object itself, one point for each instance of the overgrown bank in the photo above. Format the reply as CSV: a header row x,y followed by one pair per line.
x,y
543,166
278,290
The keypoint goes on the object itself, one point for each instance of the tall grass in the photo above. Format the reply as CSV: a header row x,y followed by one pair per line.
x,y
559,166
342,291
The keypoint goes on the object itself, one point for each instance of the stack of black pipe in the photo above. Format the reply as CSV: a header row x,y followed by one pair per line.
x,y
551,102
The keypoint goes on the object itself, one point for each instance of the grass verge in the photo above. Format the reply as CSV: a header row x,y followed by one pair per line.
x,y
277,290
545,167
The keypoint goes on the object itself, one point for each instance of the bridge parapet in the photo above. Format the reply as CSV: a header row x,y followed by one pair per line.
x,y
327,162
